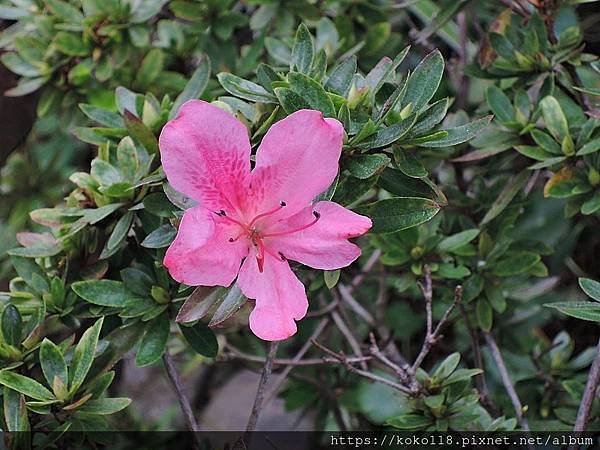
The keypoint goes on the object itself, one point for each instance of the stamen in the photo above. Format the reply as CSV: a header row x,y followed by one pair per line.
x,y
282,204
222,214
243,233
308,225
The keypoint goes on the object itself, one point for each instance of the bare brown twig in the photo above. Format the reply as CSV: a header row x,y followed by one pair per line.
x,y
589,394
506,381
184,403
433,335
363,373
262,384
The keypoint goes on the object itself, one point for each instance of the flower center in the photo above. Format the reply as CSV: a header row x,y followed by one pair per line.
x,y
250,231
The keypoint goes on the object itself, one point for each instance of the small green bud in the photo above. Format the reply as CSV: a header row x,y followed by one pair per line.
x,y
568,147
159,294
593,177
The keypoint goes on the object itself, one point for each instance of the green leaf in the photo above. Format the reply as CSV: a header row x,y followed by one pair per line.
x,y
105,293
409,164
386,136
65,11
102,116
232,302
365,166
162,237
509,192
70,44
303,50
152,66
201,339
545,141
331,277
485,315
146,10
430,118
195,87
26,86
456,241
26,268
533,152
141,132
83,356
410,422
158,204
554,118
15,415
515,263
446,367
590,287
591,205
340,78
199,303
500,104
245,89
591,147
118,235
54,367
10,13
12,325
399,213
290,101
312,92
580,310
25,386
460,134
104,406
154,341
424,81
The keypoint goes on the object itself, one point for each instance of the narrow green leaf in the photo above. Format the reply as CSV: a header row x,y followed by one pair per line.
x,y
424,81
104,406
25,386
105,293
456,241
201,339
303,50
509,192
12,325
53,366
460,134
590,287
580,310
154,341
245,89
195,87
399,213
83,356
312,92
554,118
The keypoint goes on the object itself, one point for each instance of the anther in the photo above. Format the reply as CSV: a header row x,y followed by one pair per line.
x,y
268,213
295,230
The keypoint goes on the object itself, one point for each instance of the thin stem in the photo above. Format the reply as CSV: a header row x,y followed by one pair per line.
x,y
479,379
433,336
363,373
354,345
589,394
262,384
506,381
320,328
184,402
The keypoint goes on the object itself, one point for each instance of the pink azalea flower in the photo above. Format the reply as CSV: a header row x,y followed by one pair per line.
x,y
263,216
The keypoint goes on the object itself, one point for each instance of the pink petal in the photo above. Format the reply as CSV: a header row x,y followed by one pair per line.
x,y
280,297
201,253
205,153
324,245
296,161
